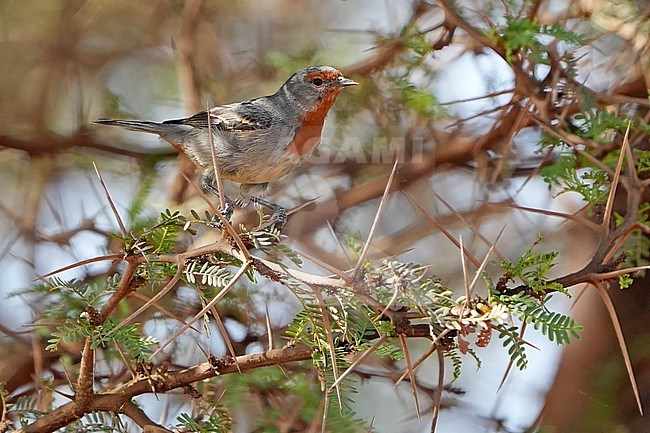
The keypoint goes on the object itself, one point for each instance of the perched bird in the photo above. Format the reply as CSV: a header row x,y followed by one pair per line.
x,y
256,141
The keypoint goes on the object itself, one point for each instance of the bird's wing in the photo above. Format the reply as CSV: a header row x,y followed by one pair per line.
x,y
238,117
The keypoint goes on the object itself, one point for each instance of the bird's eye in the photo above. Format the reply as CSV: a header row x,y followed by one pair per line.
x,y
317,81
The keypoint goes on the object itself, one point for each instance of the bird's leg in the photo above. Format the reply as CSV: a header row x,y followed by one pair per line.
x,y
207,182
279,216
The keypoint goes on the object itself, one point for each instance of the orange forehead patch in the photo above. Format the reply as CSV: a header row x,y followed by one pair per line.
x,y
324,75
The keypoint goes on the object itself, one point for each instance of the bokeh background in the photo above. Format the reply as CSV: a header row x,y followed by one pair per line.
x,y
65,62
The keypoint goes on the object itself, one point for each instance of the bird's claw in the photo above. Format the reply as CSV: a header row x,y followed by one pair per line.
x,y
243,202
226,213
228,207
279,216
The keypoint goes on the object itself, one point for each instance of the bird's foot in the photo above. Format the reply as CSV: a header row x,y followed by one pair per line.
x,y
228,208
278,217
226,213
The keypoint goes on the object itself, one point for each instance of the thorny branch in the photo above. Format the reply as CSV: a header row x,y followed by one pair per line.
x,y
531,106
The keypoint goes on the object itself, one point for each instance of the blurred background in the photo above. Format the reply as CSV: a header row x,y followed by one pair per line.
x,y
437,101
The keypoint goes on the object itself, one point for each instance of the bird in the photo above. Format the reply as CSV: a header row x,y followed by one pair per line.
x,y
256,141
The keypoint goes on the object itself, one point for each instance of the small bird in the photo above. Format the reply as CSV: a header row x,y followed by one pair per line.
x,y
256,141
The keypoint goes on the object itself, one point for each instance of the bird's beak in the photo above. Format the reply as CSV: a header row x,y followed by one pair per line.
x,y
344,82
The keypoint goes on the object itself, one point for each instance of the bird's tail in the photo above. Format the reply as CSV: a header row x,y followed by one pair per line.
x,y
135,125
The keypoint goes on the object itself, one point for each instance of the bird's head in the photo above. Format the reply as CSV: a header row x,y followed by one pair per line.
x,y
316,86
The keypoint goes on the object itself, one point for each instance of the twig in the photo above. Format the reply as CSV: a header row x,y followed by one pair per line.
x,y
411,372
213,153
330,342
373,228
110,202
621,340
359,360
609,208
205,309
81,263
438,395
440,227
139,417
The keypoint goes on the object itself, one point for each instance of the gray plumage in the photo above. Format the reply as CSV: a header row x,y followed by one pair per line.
x,y
256,141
